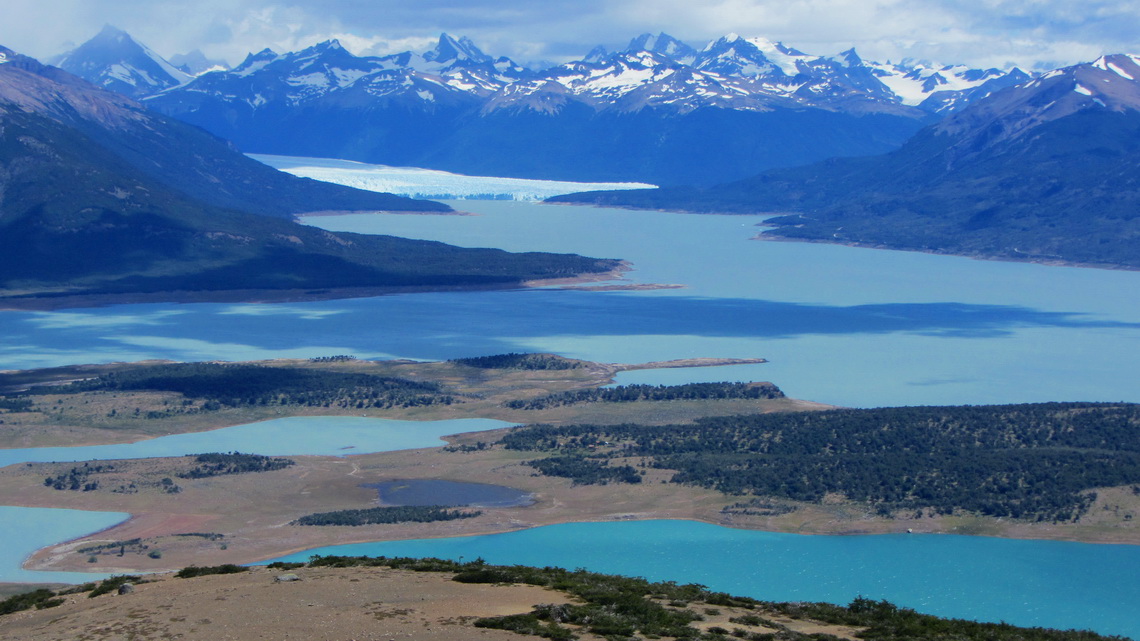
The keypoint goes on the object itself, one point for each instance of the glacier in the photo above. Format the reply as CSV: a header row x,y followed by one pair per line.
x,y
415,182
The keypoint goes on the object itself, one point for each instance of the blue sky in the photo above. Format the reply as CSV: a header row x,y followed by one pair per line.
x,y
1001,33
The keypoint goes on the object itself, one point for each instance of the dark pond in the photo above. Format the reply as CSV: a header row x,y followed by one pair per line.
x,y
449,493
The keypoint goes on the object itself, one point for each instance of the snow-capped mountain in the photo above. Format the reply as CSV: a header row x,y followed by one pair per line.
x,y
753,57
654,71
449,51
943,89
665,45
454,72
1043,170
113,60
634,80
1110,84
643,114
844,81
323,71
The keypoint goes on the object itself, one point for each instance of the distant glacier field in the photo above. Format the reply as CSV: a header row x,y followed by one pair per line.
x,y
415,182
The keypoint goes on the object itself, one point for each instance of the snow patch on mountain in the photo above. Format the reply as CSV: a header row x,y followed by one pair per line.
x,y
785,58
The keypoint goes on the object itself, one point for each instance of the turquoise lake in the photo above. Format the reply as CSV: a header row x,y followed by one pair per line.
x,y
854,327
317,435
1030,583
24,530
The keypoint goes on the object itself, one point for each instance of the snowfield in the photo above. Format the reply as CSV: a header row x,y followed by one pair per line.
x,y
430,183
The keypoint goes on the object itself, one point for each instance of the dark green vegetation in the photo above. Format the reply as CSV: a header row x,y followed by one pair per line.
x,y
585,470
77,478
219,464
1034,461
375,515
886,621
634,393
521,361
237,385
38,599
44,598
15,404
103,197
194,571
94,475
618,607
120,546
1030,173
109,585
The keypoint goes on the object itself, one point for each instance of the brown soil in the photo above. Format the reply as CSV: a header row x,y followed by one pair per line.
x,y
326,604
331,604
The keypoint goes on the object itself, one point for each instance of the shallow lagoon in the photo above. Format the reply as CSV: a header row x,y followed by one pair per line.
x,y
449,493
25,530
1031,583
316,435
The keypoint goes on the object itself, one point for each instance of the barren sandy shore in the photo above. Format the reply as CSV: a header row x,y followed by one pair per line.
x,y
348,603
327,604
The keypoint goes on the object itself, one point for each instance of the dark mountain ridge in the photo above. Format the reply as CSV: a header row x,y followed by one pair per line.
x,y
100,196
182,157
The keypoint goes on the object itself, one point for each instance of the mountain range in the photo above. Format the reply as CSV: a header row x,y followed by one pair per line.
x,y
99,195
1043,171
934,158
658,111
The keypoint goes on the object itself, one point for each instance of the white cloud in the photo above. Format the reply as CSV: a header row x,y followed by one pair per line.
x,y
978,32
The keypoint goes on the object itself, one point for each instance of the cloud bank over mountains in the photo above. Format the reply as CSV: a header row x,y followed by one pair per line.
x,y
982,33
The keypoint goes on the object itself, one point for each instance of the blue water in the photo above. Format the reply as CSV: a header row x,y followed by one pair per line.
x,y
24,530
840,325
1030,583
317,435
449,493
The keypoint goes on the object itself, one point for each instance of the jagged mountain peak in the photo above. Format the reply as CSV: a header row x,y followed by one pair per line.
x,y
255,61
449,50
848,58
114,60
734,55
663,44
597,54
